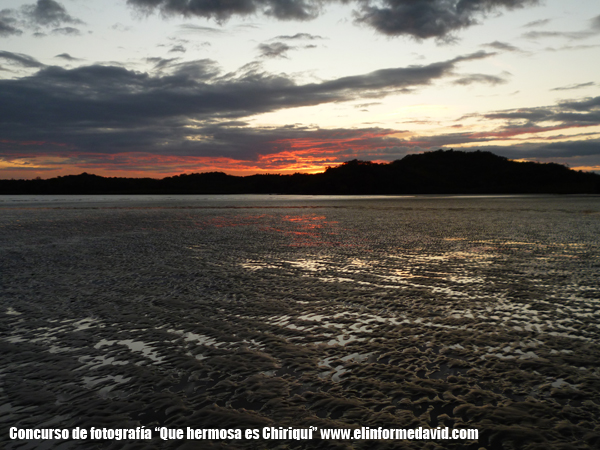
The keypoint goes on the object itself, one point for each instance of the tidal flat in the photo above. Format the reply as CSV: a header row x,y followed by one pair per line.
x,y
332,312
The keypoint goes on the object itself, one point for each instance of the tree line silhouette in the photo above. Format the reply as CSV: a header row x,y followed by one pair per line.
x,y
437,172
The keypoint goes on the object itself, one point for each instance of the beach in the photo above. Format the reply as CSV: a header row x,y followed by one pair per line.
x,y
253,311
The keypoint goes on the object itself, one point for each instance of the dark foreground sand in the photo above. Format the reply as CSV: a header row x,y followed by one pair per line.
x,y
252,312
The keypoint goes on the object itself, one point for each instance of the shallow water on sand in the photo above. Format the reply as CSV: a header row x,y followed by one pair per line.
x,y
336,312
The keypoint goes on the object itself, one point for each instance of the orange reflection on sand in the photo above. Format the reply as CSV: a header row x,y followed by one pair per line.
x,y
308,230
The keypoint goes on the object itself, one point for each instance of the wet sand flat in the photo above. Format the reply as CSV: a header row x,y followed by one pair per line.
x,y
254,311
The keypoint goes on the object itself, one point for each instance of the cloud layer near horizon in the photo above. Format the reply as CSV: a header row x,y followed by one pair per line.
x,y
110,109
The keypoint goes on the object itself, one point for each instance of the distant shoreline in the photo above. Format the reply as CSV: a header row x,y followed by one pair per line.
x,y
436,173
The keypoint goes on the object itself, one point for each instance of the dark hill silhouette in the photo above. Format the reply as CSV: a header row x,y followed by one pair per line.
x,y
439,172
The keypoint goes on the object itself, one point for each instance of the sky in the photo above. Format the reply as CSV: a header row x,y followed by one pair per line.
x,y
154,88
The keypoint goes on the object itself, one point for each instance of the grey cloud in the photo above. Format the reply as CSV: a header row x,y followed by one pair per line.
x,y
299,36
67,31
420,19
571,47
219,10
177,48
427,19
120,27
572,113
195,71
200,29
480,78
593,30
274,50
161,63
144,112
537,23
366,105
586,105
292,9
20,59
535,35
502,46
49,13
7,24
67,57
574,86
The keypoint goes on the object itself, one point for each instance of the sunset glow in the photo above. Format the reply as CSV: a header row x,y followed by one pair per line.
x,y
145,88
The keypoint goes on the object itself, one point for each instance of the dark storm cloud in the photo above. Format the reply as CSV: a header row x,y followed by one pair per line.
x,y
274,50
427,19
107,108
20,59
417,18
49,13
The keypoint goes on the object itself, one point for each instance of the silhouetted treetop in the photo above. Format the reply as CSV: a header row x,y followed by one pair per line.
x,y
437,172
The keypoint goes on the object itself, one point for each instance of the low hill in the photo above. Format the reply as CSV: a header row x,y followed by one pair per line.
x,y
439,172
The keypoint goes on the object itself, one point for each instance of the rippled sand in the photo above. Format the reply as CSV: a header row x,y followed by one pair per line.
x,y
238,312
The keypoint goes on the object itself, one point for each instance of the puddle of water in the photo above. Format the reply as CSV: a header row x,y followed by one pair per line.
x,y
12,312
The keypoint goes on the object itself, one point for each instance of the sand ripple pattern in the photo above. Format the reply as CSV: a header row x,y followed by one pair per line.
x,y
256,311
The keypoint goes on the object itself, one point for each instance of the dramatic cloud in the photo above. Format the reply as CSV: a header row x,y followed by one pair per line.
x,y
223,10
105,108
427,19
420,19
